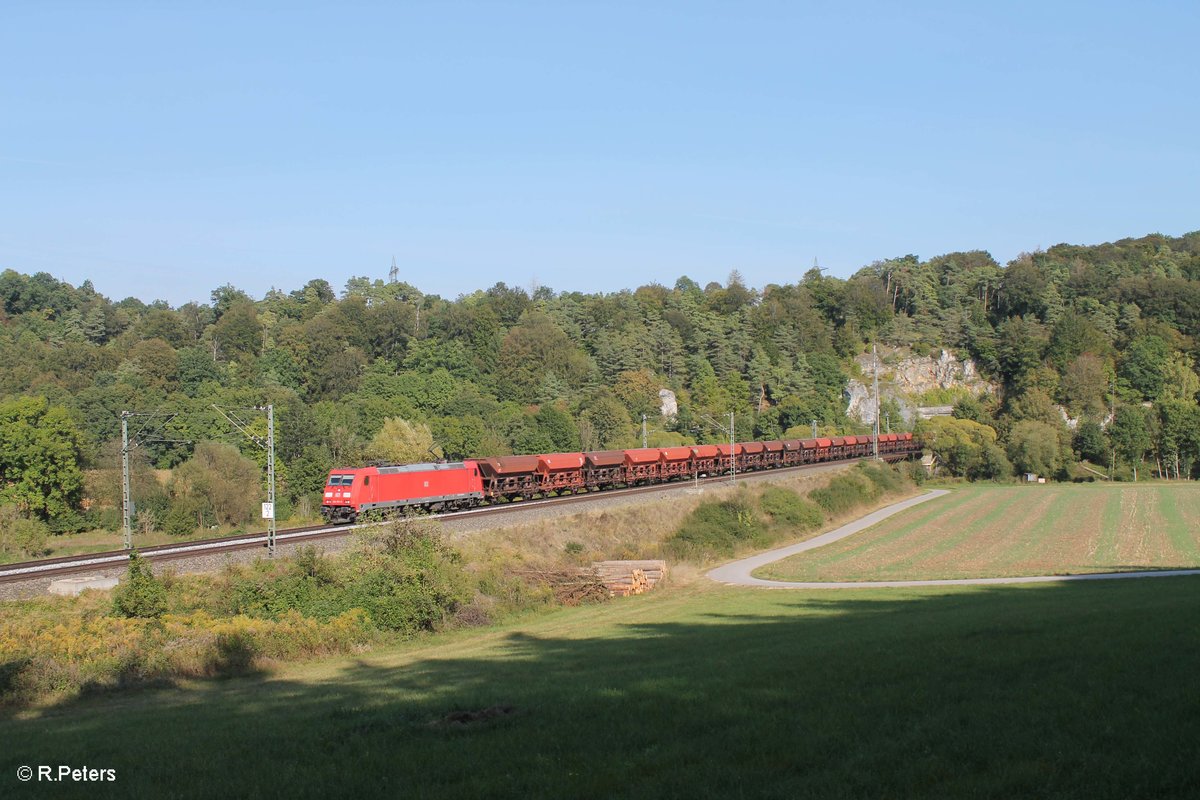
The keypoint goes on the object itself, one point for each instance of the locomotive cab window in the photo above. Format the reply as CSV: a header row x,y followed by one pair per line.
x,y
367,480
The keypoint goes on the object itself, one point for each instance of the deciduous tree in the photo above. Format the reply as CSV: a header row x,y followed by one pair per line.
x,y
219,479
1130,435
402,442
1034,447
40,449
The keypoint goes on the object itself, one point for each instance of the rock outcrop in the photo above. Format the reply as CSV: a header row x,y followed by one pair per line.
x,y
668,405
904,378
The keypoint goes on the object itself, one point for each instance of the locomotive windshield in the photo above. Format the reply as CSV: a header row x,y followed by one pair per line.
x,y
341,480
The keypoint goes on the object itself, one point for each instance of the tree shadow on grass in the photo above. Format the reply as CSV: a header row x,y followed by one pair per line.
x,y
1071,690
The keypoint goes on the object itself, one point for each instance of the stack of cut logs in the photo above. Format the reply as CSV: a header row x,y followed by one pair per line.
x,y
630,577
574,586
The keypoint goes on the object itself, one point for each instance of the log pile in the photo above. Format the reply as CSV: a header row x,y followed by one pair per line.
x,y
623,578
604,579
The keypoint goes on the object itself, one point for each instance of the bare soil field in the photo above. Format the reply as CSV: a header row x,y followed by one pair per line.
x,y
1000,531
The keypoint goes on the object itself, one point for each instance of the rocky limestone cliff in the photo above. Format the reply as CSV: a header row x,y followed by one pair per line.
x,y
668,405
903,377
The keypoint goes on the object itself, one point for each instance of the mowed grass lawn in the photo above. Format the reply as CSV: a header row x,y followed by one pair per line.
x,y
991,531
699,691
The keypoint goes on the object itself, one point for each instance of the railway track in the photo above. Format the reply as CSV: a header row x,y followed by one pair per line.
x,y
69,565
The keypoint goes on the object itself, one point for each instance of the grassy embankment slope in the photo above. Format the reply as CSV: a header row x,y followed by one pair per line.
x,y
986,531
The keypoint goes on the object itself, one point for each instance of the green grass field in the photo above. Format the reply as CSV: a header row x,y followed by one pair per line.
x,y
1056,690
989,531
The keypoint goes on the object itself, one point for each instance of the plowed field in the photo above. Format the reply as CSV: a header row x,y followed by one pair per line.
x,y
993,531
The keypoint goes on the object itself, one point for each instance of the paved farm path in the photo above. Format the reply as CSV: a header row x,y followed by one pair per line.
x,y
737,573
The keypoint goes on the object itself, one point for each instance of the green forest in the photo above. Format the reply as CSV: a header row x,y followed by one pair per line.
x,y
379,371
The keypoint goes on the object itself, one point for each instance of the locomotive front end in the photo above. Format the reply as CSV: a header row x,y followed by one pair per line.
x,y
338,502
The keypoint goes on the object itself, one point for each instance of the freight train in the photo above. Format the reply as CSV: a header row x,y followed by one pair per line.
x,y
381,491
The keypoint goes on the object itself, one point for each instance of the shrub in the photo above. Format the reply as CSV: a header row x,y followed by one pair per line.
x,y
141,594
215,480
845,492
19,536
473,615
108,519
405,578
304,507
862,485
312,563
884,476
716,528
787,507
182,519
69,521
994,465
156,503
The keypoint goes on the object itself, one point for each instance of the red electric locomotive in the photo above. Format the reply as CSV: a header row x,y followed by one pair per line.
x,y
432,487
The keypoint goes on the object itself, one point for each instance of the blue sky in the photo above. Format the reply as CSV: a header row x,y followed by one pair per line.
x,y
164,149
